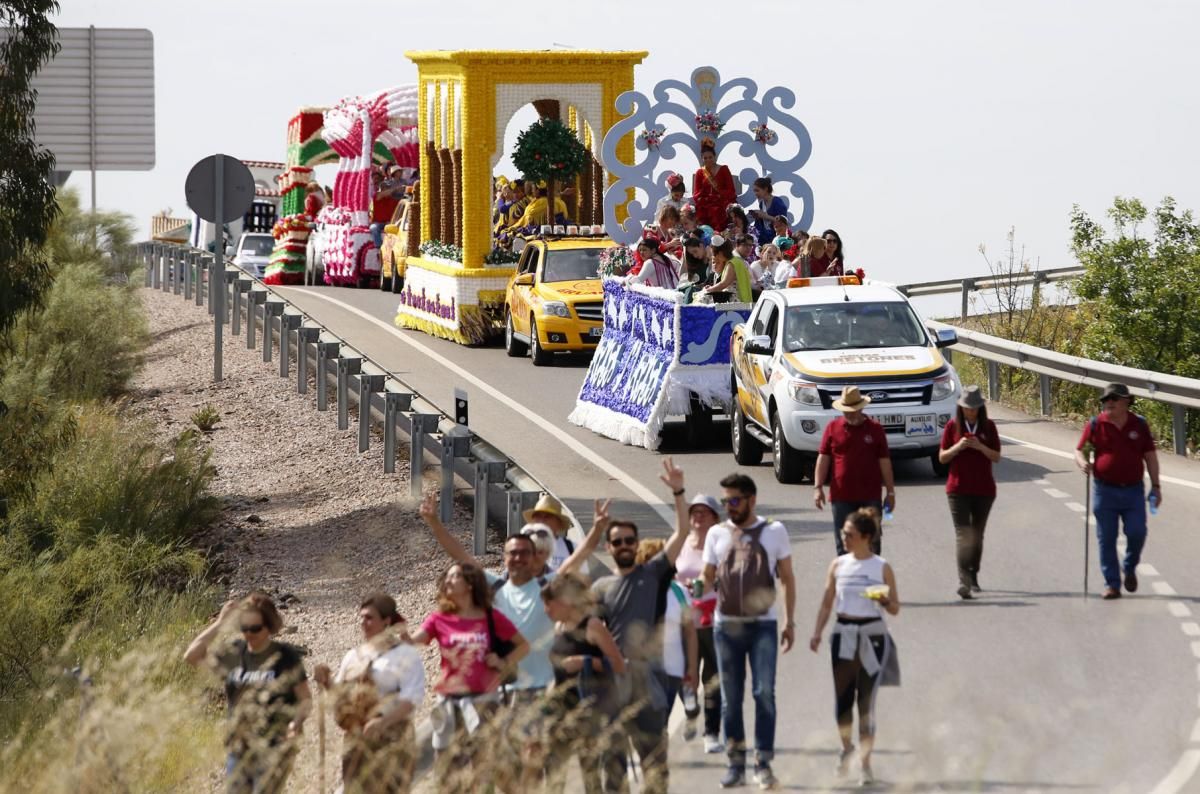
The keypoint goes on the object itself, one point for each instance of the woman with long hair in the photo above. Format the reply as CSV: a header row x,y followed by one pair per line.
x,y
834,253
378,687
971,446
266,689
860,586
658,269
479,647
712,187
813,262
736,223
767,207
585,658
735,276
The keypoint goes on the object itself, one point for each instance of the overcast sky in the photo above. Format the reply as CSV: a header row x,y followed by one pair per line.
x,y
935,125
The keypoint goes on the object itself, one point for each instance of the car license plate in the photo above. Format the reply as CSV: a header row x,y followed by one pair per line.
x,y
920,425
595,332
891,420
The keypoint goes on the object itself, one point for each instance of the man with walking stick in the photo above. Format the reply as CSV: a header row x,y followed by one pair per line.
x,y
1124,449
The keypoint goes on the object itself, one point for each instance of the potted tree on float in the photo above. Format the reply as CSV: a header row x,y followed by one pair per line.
x,y
550,151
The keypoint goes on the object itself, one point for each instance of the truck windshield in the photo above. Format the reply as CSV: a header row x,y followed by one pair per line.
x,y
257,245
577,264
839,326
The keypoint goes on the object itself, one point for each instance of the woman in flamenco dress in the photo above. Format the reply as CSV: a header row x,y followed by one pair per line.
x,y
712,188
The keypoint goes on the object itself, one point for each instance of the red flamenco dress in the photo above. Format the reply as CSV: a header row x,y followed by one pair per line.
x,y
712,193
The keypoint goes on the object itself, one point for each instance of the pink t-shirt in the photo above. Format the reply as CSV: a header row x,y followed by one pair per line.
x,y
689,565
464,645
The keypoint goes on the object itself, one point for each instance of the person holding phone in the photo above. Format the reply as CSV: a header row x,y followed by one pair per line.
x,y
971,446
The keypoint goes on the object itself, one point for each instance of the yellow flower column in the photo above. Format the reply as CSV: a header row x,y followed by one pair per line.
x,y
479,131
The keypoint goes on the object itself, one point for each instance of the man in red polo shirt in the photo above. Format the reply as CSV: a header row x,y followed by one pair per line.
x,y
855,447
1124,451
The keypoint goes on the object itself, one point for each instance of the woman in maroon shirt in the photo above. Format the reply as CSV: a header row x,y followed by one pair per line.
x,y
970,445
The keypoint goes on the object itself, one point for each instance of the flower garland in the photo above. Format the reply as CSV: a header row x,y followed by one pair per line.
x,y
501,256
615,261
763,134
652,136
709,122
441,250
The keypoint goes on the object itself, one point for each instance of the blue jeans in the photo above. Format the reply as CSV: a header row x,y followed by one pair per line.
x,y
377,234
1114,505
758,641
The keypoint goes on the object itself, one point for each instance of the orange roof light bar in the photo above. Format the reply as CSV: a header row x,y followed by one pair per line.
x,y
824,281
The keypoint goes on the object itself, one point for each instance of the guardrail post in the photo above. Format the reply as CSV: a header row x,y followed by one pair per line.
x,y
152,265
517,503
367,386
187,275
176,270
968,284
325,351
228,291
272,308
420,425
198,265
393,403
1044,394
993,372
305,336
287,324
143,250
241,295
210,269
1179,428
346,366
485,475
254,299
455,444
168,261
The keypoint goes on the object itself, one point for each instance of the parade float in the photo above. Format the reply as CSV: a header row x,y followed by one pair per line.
x,y
455,287
356,133
660,355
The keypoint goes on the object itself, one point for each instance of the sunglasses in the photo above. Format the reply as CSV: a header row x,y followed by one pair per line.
x,y
517,553
732,501
255,629
627,540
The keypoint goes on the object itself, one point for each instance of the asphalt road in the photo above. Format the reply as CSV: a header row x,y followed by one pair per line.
x,y
1030,688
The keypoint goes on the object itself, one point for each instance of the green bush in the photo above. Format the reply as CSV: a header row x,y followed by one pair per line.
x,y
85,345
206,418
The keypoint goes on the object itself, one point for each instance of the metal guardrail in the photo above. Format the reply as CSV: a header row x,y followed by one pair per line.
x,y
1179,393
502,489
968,285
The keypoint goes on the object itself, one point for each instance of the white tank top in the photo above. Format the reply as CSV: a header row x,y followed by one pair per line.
x,y
853,576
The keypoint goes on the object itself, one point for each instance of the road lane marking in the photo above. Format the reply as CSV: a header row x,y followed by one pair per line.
x,y
1179,776
1162,588
1042,482
1058,453
579,448
1179,609
1190,629
1057,494
1196,732
1078,508
1146,569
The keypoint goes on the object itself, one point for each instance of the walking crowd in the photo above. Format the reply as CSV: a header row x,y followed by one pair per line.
x,y
541,666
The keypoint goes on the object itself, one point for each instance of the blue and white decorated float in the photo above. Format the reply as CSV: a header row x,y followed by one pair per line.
x,y
658,357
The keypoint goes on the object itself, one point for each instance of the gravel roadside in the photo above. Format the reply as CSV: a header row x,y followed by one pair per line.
x,y
307,517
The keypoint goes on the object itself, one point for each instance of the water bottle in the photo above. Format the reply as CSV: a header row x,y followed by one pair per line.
x,y
691,706
887,513
1153,500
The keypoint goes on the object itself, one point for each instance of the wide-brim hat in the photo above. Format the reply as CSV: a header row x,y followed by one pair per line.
x,y
546,504
851,400
1116,390
972,397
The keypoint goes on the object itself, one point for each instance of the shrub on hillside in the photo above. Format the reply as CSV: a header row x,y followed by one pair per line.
x,y
86,343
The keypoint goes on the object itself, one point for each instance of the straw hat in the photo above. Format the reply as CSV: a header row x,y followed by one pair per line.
x,y
546,504
851,400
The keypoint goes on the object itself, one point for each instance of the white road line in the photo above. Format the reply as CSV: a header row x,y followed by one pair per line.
x,y
1078,508
1042,482
1196,732
1162,588
612,470
1146,569
1179,609
1191,629
1058,453
1057,494
1179,776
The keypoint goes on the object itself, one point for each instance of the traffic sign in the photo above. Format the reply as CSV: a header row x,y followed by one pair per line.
x,y
236,188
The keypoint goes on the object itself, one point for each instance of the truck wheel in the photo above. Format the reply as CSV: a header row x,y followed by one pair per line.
x,y
512,346
940,470
746,450
397,282
540,357
385,283
788,464
698,424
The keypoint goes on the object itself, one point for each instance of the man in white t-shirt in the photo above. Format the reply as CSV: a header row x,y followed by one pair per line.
x,y
744,559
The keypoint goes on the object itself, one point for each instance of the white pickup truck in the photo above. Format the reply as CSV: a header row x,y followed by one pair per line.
x,y
803,344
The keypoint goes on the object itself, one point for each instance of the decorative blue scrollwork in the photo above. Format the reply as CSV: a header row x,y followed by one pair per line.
x,y
705,93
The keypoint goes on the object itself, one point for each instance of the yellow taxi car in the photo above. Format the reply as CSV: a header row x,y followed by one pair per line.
x,y
399,244
554,302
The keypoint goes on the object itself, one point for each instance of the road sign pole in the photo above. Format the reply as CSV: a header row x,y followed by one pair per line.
x,y
217,277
